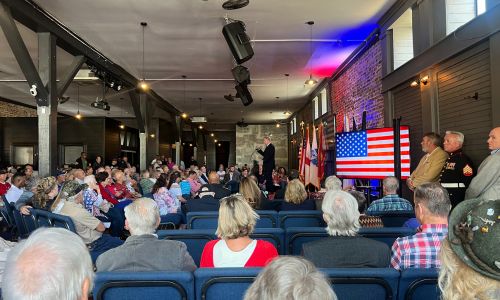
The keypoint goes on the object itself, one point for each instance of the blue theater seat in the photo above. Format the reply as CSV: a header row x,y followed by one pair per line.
x,y
209,219
301,218
419,284
43,218
295,237
394,218
364,283
195,239
223,283
143,285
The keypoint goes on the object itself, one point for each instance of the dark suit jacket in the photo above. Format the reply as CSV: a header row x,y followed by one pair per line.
x,y
207,203
308,204
219,190
236,177
142,253
268,158
347,252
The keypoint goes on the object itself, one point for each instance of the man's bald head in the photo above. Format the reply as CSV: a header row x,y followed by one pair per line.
x,y
213,178
494,139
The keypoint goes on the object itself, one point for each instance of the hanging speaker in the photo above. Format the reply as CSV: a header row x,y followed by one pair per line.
x,y
238,41
245,96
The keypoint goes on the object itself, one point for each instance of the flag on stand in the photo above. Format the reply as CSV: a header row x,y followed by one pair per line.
x,y
370,153
313,169
302,151
346,182
307,160
321,151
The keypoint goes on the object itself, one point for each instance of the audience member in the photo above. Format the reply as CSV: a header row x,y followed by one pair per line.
x,y
391,200
143,251
280,193
147,181
174,187
123,163
221,172
82,162
344,247
18,182
235,247
193,182
60,178
469,255
119,188
290,278
296,197
215,186
31,179
430,166
46,190
206,202
170,163
4,185
98,163
53,263
101,208
89,228
364,220
79,175
203,178
333,183
458,170
486,184
164,200
89,171
255,197
432,206
232,175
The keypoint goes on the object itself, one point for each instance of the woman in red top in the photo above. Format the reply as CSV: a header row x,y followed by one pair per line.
x,y
4,185
104,181
236,249
119,188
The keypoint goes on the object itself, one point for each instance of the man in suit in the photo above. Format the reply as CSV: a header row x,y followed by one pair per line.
x,y
344,248
486,184
143,251
430,166
268,162
215,186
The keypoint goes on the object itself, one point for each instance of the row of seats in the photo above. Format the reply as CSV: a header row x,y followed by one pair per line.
x,y
285,219
287,241
231,283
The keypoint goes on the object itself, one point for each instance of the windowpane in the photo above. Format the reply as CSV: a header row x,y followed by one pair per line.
x,y
324,102
402,39
459,12
23,155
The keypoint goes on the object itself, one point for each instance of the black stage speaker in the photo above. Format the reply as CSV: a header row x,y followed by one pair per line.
x,y
238,41
241,75
245,96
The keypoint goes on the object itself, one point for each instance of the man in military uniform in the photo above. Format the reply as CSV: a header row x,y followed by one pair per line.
x,y
458,170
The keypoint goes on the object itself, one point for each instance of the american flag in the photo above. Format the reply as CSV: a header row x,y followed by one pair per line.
x,y
370,153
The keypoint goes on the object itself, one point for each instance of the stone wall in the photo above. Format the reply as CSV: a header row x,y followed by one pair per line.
x,y
247,138
8,109
359,89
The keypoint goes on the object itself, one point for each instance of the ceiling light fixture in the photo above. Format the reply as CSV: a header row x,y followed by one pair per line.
x,y
311,80
184,115
235,4
287,112
78,115
143,86
122,126
212,134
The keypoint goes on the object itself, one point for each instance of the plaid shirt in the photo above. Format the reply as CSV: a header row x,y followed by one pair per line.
x,y
420,250
389,203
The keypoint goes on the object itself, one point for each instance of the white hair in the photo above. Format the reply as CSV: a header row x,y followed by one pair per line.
x,y
460,136
290,278
142,216
391,184
52,263
89,179
333,183
340,211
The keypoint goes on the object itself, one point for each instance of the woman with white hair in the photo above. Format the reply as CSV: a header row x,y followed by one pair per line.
x,y
235,248
344,247
290,278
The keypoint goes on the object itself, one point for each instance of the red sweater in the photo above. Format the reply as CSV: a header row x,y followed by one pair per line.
x,y
107,195
4,187
262,255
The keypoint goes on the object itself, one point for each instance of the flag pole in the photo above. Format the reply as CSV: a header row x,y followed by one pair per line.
x,y
334,146
396,123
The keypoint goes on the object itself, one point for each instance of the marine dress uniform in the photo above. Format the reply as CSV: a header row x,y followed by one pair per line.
x,y
456,176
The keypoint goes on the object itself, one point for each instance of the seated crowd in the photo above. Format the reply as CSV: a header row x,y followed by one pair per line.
x,y
116,212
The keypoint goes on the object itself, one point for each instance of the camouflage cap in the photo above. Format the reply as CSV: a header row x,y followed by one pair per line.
x,y
474,235
71,188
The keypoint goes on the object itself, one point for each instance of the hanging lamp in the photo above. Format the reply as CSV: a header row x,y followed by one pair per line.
x,y
143,85
78,115
184,115
287,112
311,80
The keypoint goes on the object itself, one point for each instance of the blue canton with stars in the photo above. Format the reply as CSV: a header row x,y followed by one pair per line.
x,y
352,144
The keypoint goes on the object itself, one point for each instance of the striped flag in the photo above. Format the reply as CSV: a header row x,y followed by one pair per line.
x,y
321,151
302,151
370,153
307,160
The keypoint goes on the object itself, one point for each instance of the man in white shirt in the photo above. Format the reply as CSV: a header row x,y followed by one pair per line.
x,y
17,188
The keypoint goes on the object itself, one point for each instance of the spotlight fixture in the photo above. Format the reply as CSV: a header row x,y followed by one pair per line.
x,y
215,141
311,80
212,134
425,79
229,98
277,125
414,83
235,4
122,126
190,145
218,144
200,127
152,135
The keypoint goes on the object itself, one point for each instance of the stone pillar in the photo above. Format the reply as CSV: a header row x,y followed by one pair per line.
x,y
47,115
